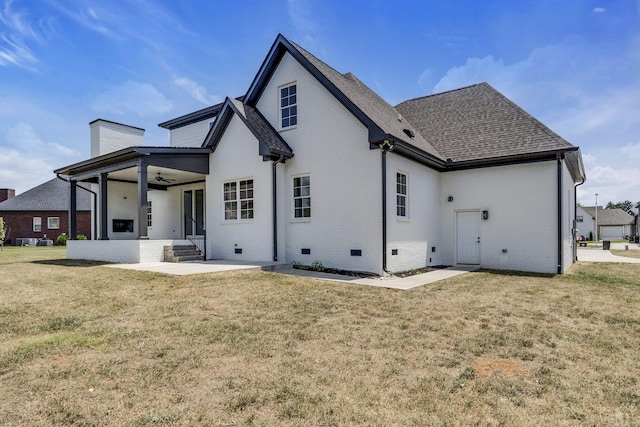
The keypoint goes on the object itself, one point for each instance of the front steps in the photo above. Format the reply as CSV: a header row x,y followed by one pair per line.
x,y
180,253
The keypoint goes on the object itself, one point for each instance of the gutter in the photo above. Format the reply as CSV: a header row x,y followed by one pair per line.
x,y
386,147
575,217
559,158
275,206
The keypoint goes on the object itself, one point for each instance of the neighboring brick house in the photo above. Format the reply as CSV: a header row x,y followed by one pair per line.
x,y
312,165
43,211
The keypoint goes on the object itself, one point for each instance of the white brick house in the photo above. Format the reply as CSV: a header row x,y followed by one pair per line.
x,y
311,165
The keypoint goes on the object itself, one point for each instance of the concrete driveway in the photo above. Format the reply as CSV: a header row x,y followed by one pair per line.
x,y
599,255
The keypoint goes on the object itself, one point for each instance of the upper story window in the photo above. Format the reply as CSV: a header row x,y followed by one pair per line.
x,y
288,106
302,197
238,196
401,195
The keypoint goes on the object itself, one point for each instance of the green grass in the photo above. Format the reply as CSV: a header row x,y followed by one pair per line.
x,y
83,344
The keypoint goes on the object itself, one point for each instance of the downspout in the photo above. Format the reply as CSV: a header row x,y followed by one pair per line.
x,y
575,219
95,205
275,206
386,147
559,166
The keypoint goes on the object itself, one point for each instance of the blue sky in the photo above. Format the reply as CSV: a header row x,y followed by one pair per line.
x,y
573,64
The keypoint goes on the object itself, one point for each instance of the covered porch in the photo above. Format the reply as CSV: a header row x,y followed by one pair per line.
x,y
147,198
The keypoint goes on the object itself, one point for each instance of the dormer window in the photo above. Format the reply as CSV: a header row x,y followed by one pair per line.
x,y
288,106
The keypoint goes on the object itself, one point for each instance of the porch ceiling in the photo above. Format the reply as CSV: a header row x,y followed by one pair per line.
x,y
166,166
156,176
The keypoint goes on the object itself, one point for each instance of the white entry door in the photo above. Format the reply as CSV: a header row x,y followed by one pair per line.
x,y
468,237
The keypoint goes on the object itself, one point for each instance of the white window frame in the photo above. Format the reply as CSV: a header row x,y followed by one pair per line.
x,y
286,103
243,200
37,224
402,209
54,226
299,198
149,214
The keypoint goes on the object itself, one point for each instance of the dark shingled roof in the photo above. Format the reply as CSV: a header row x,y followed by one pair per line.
x,y
53,195
370,103
478,122
271,143
610,216
261,128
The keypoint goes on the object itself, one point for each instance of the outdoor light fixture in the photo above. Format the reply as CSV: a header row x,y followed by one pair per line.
x,y
450,198
485,214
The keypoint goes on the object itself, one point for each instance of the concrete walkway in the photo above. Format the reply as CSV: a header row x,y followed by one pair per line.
x,y
402,283
199,267
599,255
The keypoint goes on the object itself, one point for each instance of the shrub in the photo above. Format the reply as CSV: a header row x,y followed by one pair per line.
x,y
62,239
81,237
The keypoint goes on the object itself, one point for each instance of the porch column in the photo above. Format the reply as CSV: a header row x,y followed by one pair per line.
x,y
73,210
143,232
104,223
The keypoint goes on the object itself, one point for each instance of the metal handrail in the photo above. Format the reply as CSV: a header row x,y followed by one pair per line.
x,y
200,241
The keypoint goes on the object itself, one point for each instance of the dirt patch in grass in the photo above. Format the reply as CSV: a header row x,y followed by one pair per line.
x,y
101,346
486,367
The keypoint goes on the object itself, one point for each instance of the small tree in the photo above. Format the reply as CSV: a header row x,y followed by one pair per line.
x,y
3,233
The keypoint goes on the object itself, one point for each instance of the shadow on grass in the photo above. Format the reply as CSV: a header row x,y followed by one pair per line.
x,y
517,273
71,262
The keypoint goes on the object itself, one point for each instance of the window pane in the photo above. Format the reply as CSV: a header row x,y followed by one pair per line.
x,y
292,89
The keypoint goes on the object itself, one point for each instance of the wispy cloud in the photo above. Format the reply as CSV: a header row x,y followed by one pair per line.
x,y
27,159
16,32
197,91
599,10
132,98
307,31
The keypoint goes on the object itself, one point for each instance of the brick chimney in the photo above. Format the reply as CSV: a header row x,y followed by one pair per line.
x,y
7,193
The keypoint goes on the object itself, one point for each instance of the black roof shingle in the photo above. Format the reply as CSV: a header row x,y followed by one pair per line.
x,y
53,195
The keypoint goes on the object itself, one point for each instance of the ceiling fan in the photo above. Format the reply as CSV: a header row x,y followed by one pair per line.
x,y
161,178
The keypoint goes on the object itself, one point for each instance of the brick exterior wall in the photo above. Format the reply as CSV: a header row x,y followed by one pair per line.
x,y
20,224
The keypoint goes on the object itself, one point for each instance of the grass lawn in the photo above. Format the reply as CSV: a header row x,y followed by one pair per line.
x,y
82,344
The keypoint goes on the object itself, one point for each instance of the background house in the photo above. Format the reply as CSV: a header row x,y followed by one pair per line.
x,y
43,212
613,224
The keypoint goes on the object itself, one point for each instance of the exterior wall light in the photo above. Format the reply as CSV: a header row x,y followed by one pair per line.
x,y
485,214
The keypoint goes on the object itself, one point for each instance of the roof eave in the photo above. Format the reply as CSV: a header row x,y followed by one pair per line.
x,y
510,159
124,155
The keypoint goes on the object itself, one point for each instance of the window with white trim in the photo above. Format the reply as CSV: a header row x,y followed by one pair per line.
x,y
37,223
149,214
302,196
53,223
288,106
401,195
579,219
238,200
